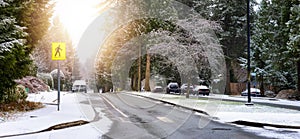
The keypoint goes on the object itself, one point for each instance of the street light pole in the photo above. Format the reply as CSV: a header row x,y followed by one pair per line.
x,y
248,53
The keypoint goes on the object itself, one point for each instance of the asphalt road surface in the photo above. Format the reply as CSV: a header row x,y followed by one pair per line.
x,y
138,117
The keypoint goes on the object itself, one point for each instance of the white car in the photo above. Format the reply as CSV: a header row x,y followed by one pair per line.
x,y
158,89
184,88
201,89
79,86
253,92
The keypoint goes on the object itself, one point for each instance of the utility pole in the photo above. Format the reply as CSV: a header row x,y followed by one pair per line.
x,y
248,53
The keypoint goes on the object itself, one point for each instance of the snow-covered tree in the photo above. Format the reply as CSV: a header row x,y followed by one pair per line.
x,y
174,37
274,54
294,36
14,60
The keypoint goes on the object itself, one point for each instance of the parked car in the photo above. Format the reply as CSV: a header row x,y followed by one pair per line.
x,y
173,88
79,86
201,89
270,94
158,89
184,88
253,92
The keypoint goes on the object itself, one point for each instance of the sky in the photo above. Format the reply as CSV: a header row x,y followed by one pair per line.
x,y
76,15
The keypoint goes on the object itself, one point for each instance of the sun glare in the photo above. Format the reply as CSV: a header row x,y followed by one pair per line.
x,y
76,15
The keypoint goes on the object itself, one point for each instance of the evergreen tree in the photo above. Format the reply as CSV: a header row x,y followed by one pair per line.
x,y
14,61
232,17
293,26
273,53
36,18
17,28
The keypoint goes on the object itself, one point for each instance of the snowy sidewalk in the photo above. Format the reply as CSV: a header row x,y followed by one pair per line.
x,y
46,117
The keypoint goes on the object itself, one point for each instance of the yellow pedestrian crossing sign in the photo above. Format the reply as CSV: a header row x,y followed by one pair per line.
x,y
58,51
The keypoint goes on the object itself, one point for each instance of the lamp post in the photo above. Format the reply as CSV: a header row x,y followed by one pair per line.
x,y
248,53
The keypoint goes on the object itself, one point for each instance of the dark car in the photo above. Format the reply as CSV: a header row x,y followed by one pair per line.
x,y
173,88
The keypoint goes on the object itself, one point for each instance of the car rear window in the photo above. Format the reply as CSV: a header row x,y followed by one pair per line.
x,y
173,85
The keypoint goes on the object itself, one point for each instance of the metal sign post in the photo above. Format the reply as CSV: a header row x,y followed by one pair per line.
x,y
58,85
58,53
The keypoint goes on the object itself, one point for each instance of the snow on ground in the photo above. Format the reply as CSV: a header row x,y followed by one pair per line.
x,y
262,114
258,99
274,132
258,113
48,116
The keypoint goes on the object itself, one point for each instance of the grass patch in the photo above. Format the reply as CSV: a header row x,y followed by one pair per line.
x,y
232,103
200,98
22,106
173,98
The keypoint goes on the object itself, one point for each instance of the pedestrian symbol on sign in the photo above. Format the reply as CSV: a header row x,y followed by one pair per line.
x,y
58,51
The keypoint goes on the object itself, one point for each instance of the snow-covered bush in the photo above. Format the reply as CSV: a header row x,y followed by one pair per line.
x,y
21,93
55,81
34,84
47,78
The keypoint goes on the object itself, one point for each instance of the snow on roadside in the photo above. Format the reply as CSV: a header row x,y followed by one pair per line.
x,y
270,118
274,132
45,97
48,116
78,132
262,114
235,111
257,99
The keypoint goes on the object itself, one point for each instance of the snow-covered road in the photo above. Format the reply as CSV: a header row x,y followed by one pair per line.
x,y
76,106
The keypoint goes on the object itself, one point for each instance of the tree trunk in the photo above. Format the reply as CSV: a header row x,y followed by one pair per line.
x,y
298,75
228,89
262,87
188,88
139,71
147,75
134,83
